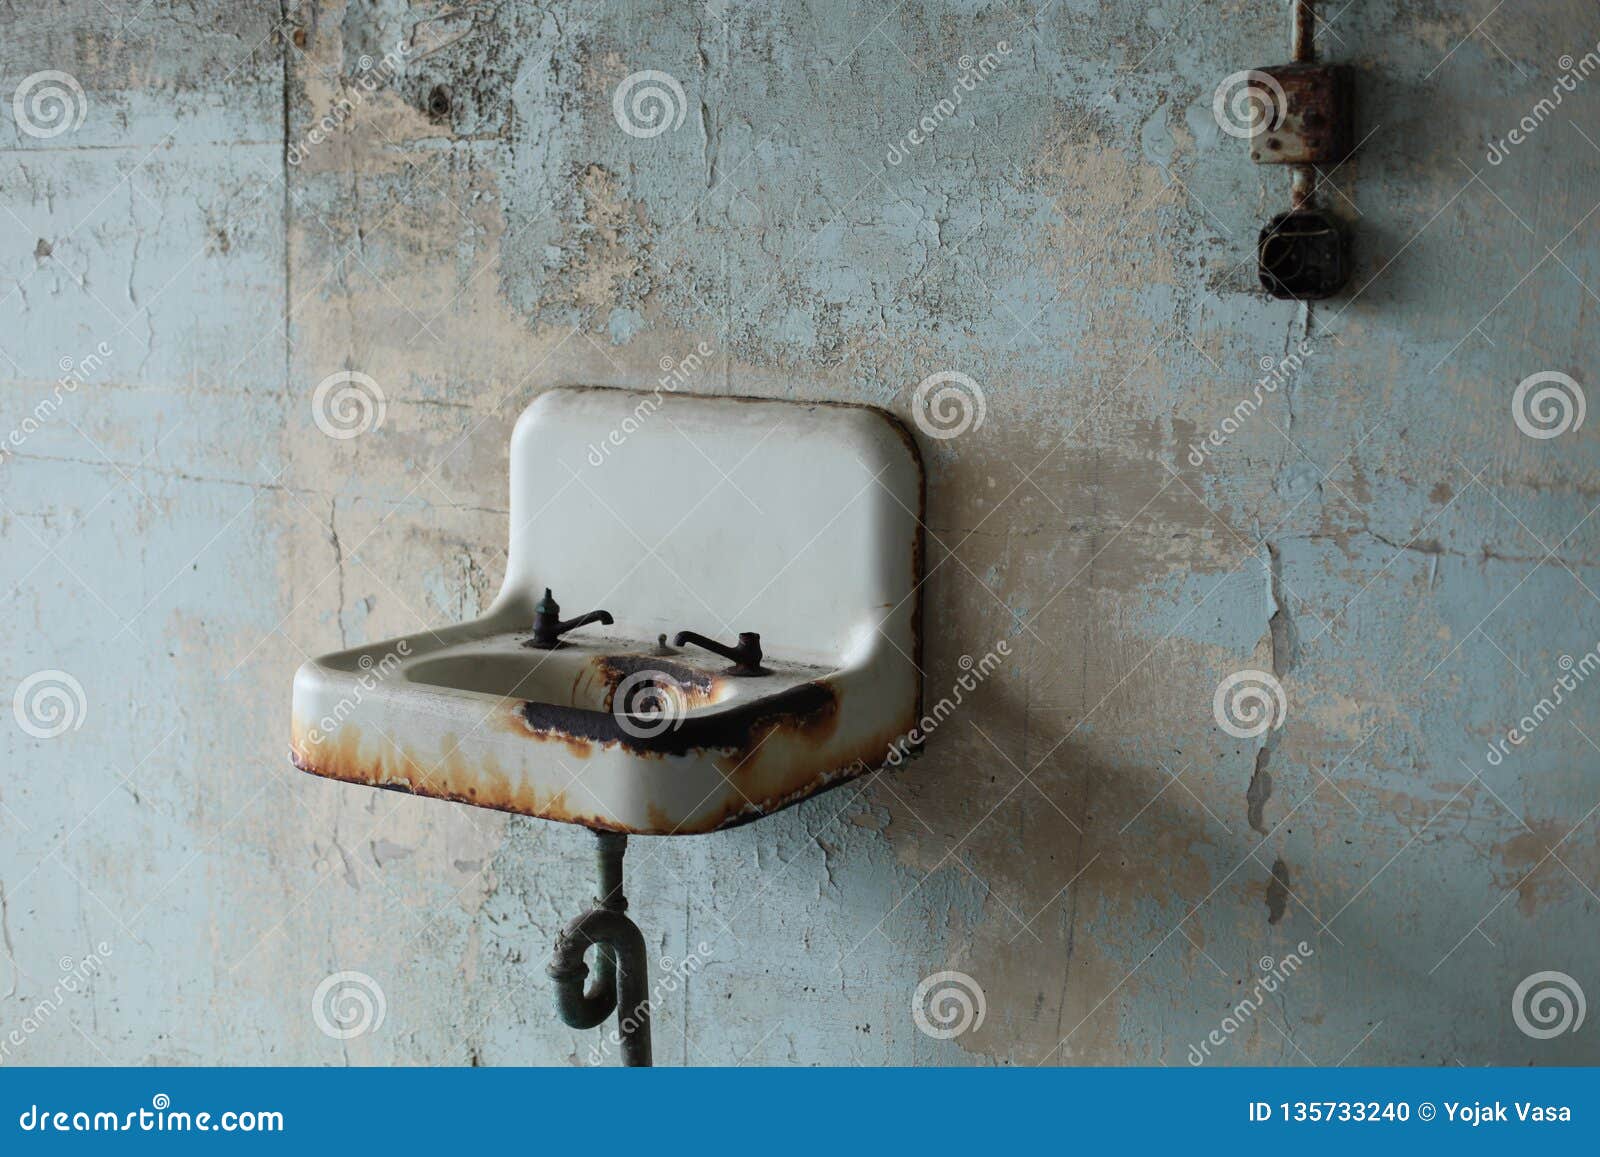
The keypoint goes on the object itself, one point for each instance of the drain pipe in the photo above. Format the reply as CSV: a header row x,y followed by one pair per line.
x,y
621,974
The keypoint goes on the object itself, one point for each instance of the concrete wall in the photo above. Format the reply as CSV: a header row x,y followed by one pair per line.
x,y
1082,839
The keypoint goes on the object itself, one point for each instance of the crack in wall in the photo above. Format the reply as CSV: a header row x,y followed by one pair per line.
x,y
1283,644
1277,891
338,561
288,300
6,946
1260,790
1281,631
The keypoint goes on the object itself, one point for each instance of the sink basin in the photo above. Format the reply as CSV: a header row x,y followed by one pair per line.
x,y
800,522
577,676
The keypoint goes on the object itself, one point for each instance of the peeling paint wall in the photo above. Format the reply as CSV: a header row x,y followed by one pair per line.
x,y
254,201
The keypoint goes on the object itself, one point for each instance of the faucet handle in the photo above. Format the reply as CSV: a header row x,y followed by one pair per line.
x,y
548,626
745,655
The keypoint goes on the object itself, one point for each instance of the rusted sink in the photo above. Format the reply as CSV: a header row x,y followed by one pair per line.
x,y
797,521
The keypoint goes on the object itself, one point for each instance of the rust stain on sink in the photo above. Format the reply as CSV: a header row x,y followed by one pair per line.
x,y
760,750
480,782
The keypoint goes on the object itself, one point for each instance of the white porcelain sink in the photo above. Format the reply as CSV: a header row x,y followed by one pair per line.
x,y
798,522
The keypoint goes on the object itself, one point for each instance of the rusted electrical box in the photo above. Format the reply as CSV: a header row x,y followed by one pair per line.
x,y
1303,120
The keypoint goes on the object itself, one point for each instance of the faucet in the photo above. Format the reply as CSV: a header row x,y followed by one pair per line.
x,y
548,627
745,657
